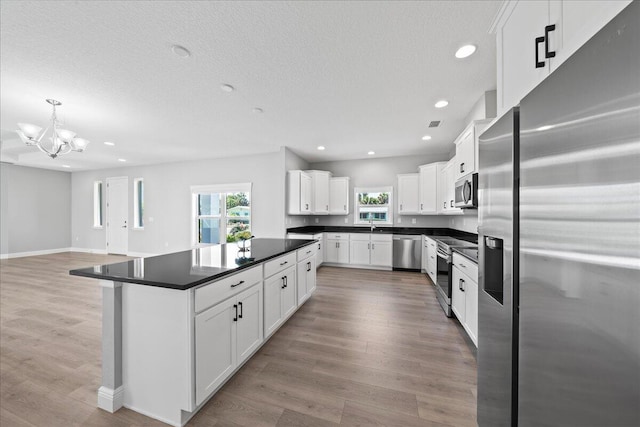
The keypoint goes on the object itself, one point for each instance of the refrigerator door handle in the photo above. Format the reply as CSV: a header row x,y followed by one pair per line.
x,y
539,64
548,53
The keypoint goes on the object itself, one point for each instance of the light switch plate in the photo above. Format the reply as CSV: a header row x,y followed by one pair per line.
x,y
413,221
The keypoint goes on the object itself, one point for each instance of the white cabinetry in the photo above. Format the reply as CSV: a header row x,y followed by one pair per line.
x,y
279,299
336,248
464,298
534,37
429,194
319,251
371,249
466,159
225,335
306,274
408,187
299,193
448,188
339,196
430,257
319,192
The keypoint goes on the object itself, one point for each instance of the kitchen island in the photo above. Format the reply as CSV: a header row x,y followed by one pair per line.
x,y
176,327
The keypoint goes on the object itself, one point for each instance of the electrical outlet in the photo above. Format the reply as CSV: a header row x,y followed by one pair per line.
x,y
346,220
413,221
317,220
166,244
150,219
305,220
399,220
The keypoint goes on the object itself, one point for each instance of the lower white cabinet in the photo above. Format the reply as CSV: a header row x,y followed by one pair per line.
x,y
464,301
306,279
319,246
279,299
371,249
225,335
336,248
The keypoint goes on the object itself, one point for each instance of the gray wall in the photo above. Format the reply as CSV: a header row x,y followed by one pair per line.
x,y
379,172
168,211
35,209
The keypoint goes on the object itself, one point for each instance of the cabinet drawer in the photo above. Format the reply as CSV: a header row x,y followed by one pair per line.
x,y
359,237
306,252
469,268
336,236
215,292
279,264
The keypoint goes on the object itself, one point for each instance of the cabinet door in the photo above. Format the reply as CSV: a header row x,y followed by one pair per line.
x,y
428,188
576,22
311,276
471,308
321,192
320,253
301,282
249,329
343,251
331,251
457,295
359,252
289,296
408,193
381,254
517,52
443,188
339,196
305,194
215,342
273,303
465,155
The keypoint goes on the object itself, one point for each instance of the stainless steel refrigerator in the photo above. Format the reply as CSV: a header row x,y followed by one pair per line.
x,y
559,244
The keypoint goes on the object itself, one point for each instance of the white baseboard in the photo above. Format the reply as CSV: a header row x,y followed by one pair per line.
x,y
33,253
110,400
89,251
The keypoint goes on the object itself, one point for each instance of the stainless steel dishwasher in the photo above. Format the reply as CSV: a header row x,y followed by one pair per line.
x,y
407,252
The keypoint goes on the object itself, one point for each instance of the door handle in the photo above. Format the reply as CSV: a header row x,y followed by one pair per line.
x,y
373,246
308,266
240,316
451,203
283,284
548,53
421,206
368,245
462,167
345,207
235,307
539,64
462,280
444,205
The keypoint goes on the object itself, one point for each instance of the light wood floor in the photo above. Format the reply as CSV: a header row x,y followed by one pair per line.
x,y
369,348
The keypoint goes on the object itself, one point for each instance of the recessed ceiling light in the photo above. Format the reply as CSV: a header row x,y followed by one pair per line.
x,y
66,166
227,88
258,110
111,144
321,147
181,51
442,103
122,160
466,50
371,153
426,137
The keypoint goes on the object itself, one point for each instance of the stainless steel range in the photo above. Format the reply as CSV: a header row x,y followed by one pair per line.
x,y
443,274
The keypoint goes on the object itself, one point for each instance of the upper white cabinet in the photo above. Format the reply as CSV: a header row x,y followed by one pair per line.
x,y
448,188
466,159
408,185
429,195
534,37
319,192
339,196
299,192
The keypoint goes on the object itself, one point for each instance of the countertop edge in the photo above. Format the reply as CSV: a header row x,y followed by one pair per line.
x,y
454,249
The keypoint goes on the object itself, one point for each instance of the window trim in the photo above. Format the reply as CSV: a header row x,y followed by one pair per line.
x,y
98,205
215,188
138,211
356,211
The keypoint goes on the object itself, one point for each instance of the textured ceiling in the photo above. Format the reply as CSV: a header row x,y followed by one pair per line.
x,y
352,76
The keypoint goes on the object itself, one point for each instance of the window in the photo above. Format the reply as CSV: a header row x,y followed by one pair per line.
x,y
373,206
138,203
222,213
97,204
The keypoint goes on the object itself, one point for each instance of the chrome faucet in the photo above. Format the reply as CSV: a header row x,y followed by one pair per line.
x,y
373,227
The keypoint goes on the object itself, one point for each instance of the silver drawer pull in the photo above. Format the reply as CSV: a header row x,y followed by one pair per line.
x,y
238,284
283,263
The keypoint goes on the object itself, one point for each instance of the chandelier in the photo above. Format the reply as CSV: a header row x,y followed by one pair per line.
x,y
60,142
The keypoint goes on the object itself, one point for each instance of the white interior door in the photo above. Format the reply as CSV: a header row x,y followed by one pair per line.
x,y
117,215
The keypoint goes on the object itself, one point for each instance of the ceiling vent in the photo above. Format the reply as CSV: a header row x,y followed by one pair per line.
x,y
434,124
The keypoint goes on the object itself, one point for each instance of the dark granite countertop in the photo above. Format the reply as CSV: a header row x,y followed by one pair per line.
x,y
469,253
186,269
312,229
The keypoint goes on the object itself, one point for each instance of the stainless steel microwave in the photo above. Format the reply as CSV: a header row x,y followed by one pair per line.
x,y
467,192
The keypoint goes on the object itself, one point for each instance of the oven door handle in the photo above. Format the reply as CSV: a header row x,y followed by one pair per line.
x,y
443,256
